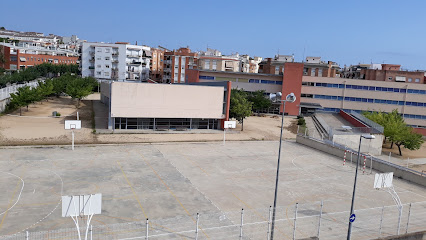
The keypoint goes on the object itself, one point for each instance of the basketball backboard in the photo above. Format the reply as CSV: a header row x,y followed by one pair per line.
x,y
72,124
383,180
80,205
230,124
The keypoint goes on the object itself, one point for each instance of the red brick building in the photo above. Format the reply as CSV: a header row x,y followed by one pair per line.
x,y
16,58
393,73
157,65
175,64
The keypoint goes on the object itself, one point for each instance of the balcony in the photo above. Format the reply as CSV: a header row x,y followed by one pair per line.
x,y
114,69
135,63
91,67
168,61
91,60
167,70
114,61
115,54
134,55
92,53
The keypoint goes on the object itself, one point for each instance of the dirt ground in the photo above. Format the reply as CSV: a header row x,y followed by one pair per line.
x,y
421,153
36,126
407,154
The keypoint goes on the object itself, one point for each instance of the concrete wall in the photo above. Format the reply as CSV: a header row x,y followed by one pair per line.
x,y
146,100
380,166
372,147
410,236
3,104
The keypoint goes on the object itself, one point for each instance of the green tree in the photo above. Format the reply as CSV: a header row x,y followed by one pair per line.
x,y
2,28
396,130
23,97
391,122
60,83
240,106
44,89
79,88
259,100
406,137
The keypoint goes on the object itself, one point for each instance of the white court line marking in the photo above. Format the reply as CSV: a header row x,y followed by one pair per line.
x,y
19,196
57,205
332,167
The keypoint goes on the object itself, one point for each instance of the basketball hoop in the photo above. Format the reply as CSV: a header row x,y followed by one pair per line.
x,y
226,125
79,206
72,125
384,181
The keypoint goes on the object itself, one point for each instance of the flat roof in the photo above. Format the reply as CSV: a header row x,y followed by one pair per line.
x,y
239,73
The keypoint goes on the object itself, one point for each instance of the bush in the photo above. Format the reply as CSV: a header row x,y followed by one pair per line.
x,y
58,114
301,121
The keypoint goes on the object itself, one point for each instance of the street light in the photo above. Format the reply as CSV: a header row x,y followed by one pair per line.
x,y
352,218
289,98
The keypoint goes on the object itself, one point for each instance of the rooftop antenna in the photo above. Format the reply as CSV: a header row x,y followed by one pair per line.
x,y
304,49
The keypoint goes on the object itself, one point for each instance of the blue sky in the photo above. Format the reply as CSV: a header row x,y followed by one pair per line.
x,y
347,32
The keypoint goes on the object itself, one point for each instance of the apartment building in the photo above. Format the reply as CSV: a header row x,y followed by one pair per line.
x,y
20,57
213,60
157,64
176,63
315,67
254,64
275,65
29,36
383,72
120,61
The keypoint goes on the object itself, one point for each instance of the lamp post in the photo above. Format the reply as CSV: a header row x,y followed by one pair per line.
x,y
351,214
289,98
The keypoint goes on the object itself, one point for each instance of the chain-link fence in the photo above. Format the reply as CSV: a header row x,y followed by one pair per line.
x,y
299,221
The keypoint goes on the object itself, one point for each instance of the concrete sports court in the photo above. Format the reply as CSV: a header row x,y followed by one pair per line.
x,y
177,180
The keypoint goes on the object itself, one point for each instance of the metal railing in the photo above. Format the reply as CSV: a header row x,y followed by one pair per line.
x,y
307,220
377,127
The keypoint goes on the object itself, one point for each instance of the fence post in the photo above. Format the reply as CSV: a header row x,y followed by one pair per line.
x,y
147,229
269,222
344,158
363,168
351,157
408,219
294,225
319,220
381,221
399,219
371,164
242,222
196,228
91,232
27,236
297,129
306,129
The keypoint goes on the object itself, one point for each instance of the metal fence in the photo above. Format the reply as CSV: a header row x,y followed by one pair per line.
x,y
299,221
5,92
